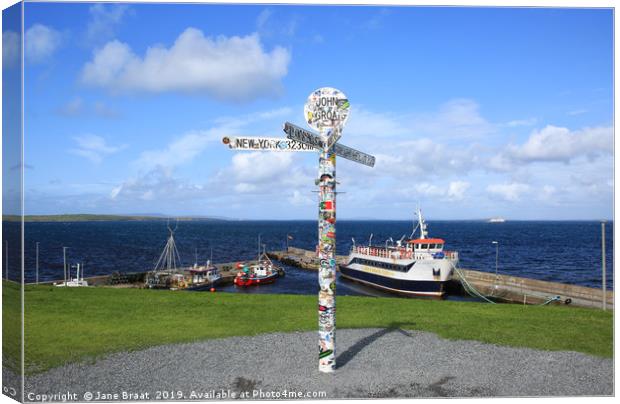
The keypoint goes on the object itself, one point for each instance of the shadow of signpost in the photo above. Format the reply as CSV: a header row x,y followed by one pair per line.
x,y
356,348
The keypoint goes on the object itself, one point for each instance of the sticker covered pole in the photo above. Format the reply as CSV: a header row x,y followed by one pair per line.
x,y
327,260
326,110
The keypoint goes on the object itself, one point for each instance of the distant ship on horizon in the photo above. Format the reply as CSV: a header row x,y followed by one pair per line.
x,y
496,220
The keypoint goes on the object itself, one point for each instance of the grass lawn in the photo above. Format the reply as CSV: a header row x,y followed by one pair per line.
x,y
73,324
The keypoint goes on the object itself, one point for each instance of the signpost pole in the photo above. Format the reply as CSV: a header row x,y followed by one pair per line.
x,y
327,259
37,264
603,263
64,260
326,111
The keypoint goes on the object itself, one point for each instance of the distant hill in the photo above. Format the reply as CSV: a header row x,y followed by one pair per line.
x,y
105,218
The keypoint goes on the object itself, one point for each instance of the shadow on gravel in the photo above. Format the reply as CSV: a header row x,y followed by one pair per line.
x,y
356,348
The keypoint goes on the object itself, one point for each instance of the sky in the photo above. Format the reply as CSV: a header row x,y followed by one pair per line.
x,y
470,112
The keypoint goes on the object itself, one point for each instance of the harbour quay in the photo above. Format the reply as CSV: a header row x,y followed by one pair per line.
x,y
500,288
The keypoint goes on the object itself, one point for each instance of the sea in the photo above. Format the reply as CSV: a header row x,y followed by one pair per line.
x,y
558,251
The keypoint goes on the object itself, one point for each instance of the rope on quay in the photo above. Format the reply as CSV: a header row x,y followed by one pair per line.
x,y
472,291
469,288
551,299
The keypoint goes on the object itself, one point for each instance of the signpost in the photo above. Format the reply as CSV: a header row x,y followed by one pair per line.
x,y
301,135
326,111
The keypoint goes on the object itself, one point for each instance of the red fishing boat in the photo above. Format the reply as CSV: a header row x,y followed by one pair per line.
x,y
263,272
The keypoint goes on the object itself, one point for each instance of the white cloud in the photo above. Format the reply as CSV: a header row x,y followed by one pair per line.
x,y
157,184
78,107
422,157
181,151
363,122
457,119
10,49
104,19
522,122
187,147
427,189
457,189
453,191
554,143
94,148
260,167
300,199
577,112
511,192
262,18
547,193
40,43
229,68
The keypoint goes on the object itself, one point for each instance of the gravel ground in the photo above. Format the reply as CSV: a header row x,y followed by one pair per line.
x,y
372,363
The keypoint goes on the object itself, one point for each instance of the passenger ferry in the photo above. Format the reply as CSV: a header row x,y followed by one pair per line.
x,y
413,267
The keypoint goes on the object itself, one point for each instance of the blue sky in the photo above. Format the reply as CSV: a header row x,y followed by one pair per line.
x,y
471,112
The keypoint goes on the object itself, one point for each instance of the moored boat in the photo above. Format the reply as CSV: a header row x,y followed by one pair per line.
x,y
201,276
261,273
414,267
75,282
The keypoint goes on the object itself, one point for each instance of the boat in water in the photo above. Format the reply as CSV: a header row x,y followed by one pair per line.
x,y
75,282
201,276
413,267
170,274
496,220
167,273
260,273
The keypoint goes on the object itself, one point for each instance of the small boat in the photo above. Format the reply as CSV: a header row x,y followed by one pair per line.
x,y
496,220
413,267
205,275
261,273
75,282
167,273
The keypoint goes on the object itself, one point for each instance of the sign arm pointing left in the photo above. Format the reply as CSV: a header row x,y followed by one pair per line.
x,y
266,144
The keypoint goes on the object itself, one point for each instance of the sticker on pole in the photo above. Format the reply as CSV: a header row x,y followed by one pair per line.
x,y
326,108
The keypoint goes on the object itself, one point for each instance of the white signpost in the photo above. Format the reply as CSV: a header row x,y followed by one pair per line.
x,y
326,110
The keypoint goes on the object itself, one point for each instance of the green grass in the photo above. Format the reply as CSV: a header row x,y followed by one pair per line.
x,y
11,325
75,324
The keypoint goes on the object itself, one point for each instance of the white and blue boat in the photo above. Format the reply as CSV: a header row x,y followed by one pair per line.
x,y
412,267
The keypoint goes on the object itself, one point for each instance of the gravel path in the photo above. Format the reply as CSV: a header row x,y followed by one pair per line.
x,y
371,363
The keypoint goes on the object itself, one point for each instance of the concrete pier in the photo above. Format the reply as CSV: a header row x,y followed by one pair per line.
x,y
503,288
136,279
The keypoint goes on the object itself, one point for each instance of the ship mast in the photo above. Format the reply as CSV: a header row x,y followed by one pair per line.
x,y
423,231
170,256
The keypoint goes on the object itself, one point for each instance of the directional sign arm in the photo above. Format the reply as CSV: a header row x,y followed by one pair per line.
x,y
265,143
312,139
354,155
294,132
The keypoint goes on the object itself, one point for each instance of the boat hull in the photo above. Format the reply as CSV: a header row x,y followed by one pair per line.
x,y
239,281
204,285
407,287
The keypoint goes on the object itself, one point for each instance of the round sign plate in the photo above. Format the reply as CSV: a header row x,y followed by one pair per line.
x,y
326,108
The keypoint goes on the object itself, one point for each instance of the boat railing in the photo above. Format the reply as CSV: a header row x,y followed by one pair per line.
x,y
399,253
